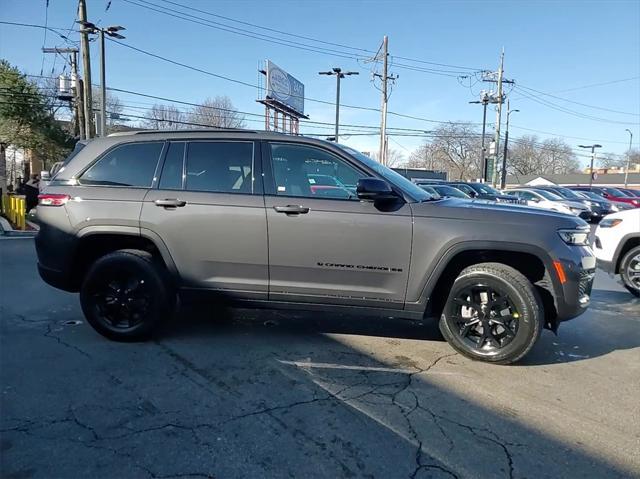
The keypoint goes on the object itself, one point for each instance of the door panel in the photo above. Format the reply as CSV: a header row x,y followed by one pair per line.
x,y
217,238
341,251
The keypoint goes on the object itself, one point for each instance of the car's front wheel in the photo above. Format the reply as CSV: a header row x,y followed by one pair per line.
x,y
493,313
125,295
630,270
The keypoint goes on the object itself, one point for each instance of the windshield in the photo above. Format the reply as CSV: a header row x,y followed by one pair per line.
x,y
565,192
615,192
548,195
444,190
388,174
484,189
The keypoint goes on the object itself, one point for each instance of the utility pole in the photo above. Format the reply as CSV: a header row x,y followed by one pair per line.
x,y
385,77
383,121
86,68
626,171
338,74
593,159
76,87
484,100
503,174
498,120
498,78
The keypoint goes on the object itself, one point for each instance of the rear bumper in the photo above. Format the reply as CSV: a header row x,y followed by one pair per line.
x,y
55,278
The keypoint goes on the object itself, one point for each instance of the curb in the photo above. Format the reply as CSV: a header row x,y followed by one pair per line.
x,y
7,230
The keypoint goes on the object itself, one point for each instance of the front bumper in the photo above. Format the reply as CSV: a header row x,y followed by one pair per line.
x,y
573,296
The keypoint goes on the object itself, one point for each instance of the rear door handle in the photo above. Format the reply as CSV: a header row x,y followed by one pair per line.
x,y
170,203
292,209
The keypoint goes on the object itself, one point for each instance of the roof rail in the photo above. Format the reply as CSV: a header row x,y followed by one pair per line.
x,y
193,130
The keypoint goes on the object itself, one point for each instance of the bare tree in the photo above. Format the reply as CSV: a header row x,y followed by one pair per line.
x,y
394,157
608,160
164,117
217,112
113,106
530,156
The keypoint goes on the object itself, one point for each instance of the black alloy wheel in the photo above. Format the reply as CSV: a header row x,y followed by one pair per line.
x,y
493,313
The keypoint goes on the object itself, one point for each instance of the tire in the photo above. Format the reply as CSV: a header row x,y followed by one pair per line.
x,y
126,294
630,270
512,330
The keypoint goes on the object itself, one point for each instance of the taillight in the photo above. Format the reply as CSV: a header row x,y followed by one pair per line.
x,y
52,200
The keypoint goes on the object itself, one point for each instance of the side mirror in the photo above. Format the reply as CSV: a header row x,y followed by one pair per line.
x,y
372,189
44,175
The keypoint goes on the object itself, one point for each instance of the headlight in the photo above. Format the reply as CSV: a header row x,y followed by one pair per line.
x,y
610,222
577,237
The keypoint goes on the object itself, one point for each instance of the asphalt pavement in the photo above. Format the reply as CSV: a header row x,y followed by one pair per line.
x,y
242,393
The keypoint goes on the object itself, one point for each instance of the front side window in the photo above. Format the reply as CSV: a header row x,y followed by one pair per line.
x,y
300,170
132,164
220,167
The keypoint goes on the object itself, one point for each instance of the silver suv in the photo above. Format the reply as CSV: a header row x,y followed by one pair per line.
x,y
131,221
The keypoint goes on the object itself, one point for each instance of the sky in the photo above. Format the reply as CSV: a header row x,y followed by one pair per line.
x,y
584,53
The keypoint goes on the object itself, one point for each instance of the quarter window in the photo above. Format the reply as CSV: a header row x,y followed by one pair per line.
x,y
312,172
222,167
131,164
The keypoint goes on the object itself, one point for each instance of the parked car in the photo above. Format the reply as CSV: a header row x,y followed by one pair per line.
x,y
630,192
615,205
609,193
447,191
617,247
134,220
599,206
484,192
551,201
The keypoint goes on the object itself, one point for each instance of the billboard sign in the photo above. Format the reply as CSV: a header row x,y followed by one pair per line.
x,y
284,88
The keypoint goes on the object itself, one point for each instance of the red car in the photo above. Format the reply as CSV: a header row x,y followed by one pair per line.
x,y
609,193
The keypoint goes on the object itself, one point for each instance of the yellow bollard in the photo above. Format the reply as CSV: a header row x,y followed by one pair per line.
x,y
22,213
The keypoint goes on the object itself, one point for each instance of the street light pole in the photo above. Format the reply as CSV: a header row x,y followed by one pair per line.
x,y
503,175
593,157
626,172
112,31
338,74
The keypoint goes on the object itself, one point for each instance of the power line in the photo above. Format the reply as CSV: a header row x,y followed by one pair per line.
x,y
576,102
554,106
592,85
293,35
279,41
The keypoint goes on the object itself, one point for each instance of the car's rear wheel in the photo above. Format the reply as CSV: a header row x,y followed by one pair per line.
x,y
630,270
125,295
493,313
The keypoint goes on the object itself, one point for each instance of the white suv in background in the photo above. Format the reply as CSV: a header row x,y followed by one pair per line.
x,y
617,247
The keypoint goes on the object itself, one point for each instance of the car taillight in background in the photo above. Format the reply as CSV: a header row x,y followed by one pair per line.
x,y
52,200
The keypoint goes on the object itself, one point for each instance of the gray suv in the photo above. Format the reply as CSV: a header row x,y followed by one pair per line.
x,y
132,221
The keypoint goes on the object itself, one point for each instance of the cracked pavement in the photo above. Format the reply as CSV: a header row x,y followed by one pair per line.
x,y
270,394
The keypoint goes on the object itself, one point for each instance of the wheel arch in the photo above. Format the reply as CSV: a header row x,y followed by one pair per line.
x,y
530,260
628,242
94,242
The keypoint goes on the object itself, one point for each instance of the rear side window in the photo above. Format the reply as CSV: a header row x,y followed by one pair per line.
x,y
131,164
220,166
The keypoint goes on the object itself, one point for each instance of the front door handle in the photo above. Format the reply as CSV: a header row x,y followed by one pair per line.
x,y
170,203
292,209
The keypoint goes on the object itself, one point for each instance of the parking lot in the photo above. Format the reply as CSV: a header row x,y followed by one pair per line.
x,y
270,394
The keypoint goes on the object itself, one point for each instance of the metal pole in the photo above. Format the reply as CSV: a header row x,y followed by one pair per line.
x,y
78,104
103,89
494,176
338,75
593,158
503,173
483,161
86,67
626,172
383,123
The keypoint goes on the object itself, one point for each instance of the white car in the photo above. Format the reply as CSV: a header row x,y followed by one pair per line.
x,y
617,247
550,201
